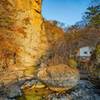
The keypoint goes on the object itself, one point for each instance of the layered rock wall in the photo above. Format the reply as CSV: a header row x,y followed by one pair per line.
x,y
22,35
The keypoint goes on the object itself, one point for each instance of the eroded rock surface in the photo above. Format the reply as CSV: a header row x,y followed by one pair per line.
x,y
22,36
59,77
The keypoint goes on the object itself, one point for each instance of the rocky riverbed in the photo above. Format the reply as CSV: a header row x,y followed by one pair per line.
x,y
83,91
35,89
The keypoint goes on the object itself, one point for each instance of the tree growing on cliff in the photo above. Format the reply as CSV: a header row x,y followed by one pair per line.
x,y
92,15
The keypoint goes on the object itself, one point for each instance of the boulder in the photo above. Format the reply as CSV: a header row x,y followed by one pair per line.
x,y
9,92
59,77
13,91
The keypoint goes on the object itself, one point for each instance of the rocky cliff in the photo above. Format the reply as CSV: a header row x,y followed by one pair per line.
x,y
22,35
94,69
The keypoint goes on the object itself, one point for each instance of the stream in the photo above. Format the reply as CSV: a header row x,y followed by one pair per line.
x,y
84,90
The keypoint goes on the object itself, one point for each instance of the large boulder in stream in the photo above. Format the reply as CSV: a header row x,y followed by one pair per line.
x,y
59,77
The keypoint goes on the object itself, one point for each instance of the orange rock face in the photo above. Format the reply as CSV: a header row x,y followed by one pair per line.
x,y
22,35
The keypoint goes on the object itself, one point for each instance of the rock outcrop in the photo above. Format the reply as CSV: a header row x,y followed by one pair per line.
x,y
22,35
55,33
59,77
94,69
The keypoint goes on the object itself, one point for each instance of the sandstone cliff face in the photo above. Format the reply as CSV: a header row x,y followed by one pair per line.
x,y
22,35
55,33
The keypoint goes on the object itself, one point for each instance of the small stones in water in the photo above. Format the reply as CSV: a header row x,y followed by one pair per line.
x,y
83,91
34,83
59,97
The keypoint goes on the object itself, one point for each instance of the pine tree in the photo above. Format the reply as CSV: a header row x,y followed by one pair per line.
x,y
92,15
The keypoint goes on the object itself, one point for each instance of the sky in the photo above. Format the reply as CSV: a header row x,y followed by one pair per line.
x,y
66,11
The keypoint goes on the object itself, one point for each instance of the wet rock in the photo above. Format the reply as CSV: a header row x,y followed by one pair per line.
x,y
59,97
60,77
13,91
34,83
3,98
9,92
83,91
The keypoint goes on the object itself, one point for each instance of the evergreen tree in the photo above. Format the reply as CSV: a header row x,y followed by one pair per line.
x,y
92,15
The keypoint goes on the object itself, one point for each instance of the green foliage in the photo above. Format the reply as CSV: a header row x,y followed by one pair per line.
x,y
30,97
92,15
72,63
98,50
34,94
